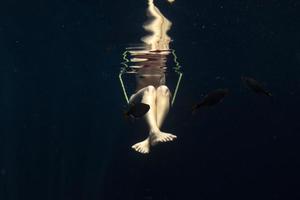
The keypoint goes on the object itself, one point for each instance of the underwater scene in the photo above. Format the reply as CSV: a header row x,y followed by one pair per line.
x,y
149,100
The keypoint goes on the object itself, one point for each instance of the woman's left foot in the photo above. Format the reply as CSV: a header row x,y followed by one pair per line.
x,y
159,137
142,147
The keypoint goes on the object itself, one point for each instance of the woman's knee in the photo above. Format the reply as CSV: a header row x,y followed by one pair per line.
x,y
163,90
150,89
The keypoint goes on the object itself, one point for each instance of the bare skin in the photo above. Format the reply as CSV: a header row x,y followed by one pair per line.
x,y
151,78
159,101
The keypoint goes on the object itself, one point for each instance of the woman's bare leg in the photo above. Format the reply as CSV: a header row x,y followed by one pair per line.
x,y
148,97
136,97
162,104
162,108
159,102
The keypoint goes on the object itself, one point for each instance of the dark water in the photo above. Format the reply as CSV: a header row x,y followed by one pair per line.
x,y
62,133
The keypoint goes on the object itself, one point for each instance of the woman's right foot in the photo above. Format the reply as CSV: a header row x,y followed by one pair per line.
x,y
159,137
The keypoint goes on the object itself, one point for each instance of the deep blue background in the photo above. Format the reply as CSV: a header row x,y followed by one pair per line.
x,y
62,133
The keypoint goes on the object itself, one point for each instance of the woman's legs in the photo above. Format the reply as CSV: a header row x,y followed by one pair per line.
x,y
159,102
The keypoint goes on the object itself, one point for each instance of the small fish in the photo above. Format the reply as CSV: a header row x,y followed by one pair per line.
x,y
255,86
137,110
212,98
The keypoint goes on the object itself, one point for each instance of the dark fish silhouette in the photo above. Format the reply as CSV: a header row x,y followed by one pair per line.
x,y
255,86
212,98
137,110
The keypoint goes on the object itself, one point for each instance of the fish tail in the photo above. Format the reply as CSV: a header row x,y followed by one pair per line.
x,y
128,117
269,94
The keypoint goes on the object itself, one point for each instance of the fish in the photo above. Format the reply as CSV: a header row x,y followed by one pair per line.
x,y
255,86
136,110
212,98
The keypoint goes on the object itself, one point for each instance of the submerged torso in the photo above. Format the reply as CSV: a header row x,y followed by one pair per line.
x,y
149,60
